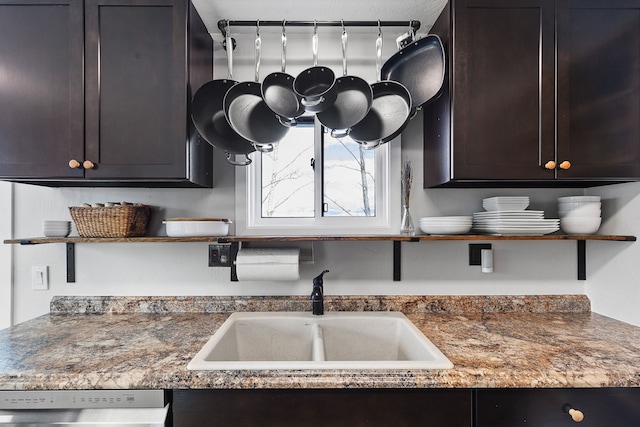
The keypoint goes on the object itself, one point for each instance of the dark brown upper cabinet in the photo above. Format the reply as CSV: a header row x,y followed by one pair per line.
x,y
98,93
537,93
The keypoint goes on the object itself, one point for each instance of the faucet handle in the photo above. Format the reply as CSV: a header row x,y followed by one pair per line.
x,y
318,280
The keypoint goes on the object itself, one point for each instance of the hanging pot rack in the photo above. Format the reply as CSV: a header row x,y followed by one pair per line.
x,y
222,24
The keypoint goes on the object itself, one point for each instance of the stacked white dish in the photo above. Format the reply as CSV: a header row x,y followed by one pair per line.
x,y
505,203
446,225
56,228
508,216
580,214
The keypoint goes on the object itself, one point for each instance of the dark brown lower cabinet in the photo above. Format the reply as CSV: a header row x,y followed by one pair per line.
x,y
323,408
601,407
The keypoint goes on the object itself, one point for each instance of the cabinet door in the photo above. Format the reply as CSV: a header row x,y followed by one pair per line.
x,y
322,408
503,90
599,88
611,407
41,98
136,118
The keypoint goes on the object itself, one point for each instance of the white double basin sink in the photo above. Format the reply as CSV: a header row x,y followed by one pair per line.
x,y
335,340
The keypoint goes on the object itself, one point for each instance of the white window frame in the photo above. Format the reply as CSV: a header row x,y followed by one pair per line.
x,y
249,220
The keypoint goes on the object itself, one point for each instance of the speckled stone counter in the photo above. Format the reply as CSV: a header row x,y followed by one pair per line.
x,y
493,341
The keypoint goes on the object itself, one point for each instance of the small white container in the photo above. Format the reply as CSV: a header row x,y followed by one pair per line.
x,y
197,227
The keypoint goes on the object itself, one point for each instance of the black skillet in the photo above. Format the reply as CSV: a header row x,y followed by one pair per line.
x,y
247,112
278,93
391,109
316,85
419,67
353,100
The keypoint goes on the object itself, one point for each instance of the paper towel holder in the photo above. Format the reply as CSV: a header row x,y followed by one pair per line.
x,y
307,254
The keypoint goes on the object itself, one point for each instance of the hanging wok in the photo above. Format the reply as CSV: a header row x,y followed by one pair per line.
x,y
419,67
207,113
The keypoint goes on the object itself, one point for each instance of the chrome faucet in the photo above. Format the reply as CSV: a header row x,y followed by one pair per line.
x,y
317,295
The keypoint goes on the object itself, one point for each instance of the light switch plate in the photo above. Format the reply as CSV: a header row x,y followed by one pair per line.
x,y
40,278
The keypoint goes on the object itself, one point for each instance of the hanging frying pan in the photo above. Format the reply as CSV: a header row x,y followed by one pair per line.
x,y
419,67
278,93
353,100
391,109
247,112
207,113
315,85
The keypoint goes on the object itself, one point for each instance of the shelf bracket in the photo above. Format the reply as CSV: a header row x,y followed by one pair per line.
x,y
397,260
582,259
235,246
71,262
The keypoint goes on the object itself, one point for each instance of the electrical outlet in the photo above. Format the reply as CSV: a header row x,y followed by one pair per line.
x,y
220,255
475,252
40,278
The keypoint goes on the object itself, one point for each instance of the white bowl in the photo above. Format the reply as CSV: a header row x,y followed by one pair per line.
x,y
574,205
586,210
196,227
580,225
445,229
579,199
446,218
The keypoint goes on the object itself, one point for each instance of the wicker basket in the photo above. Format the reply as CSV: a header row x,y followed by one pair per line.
x,y
112,221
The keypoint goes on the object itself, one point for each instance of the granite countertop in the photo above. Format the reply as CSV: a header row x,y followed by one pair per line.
x,y
493,341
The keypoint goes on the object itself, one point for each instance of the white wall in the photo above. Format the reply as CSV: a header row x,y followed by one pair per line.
x,y
613,285
5,254
356,267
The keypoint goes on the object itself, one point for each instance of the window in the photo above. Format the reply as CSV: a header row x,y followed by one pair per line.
x,y
316,184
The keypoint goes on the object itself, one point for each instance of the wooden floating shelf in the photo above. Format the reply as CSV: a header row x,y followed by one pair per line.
x,y
396,239
228,239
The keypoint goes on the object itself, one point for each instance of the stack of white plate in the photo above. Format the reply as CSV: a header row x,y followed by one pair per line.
x,y
56,228
506,203
446,224
580,214
514,222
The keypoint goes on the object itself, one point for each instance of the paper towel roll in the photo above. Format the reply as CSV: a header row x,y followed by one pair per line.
x,y
268,264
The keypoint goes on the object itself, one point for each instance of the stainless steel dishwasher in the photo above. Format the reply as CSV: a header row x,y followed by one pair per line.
x,y
123,408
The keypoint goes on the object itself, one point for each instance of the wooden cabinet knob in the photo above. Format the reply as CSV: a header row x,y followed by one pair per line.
x,y
74,164
88,164
565,165
550,165
576,415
